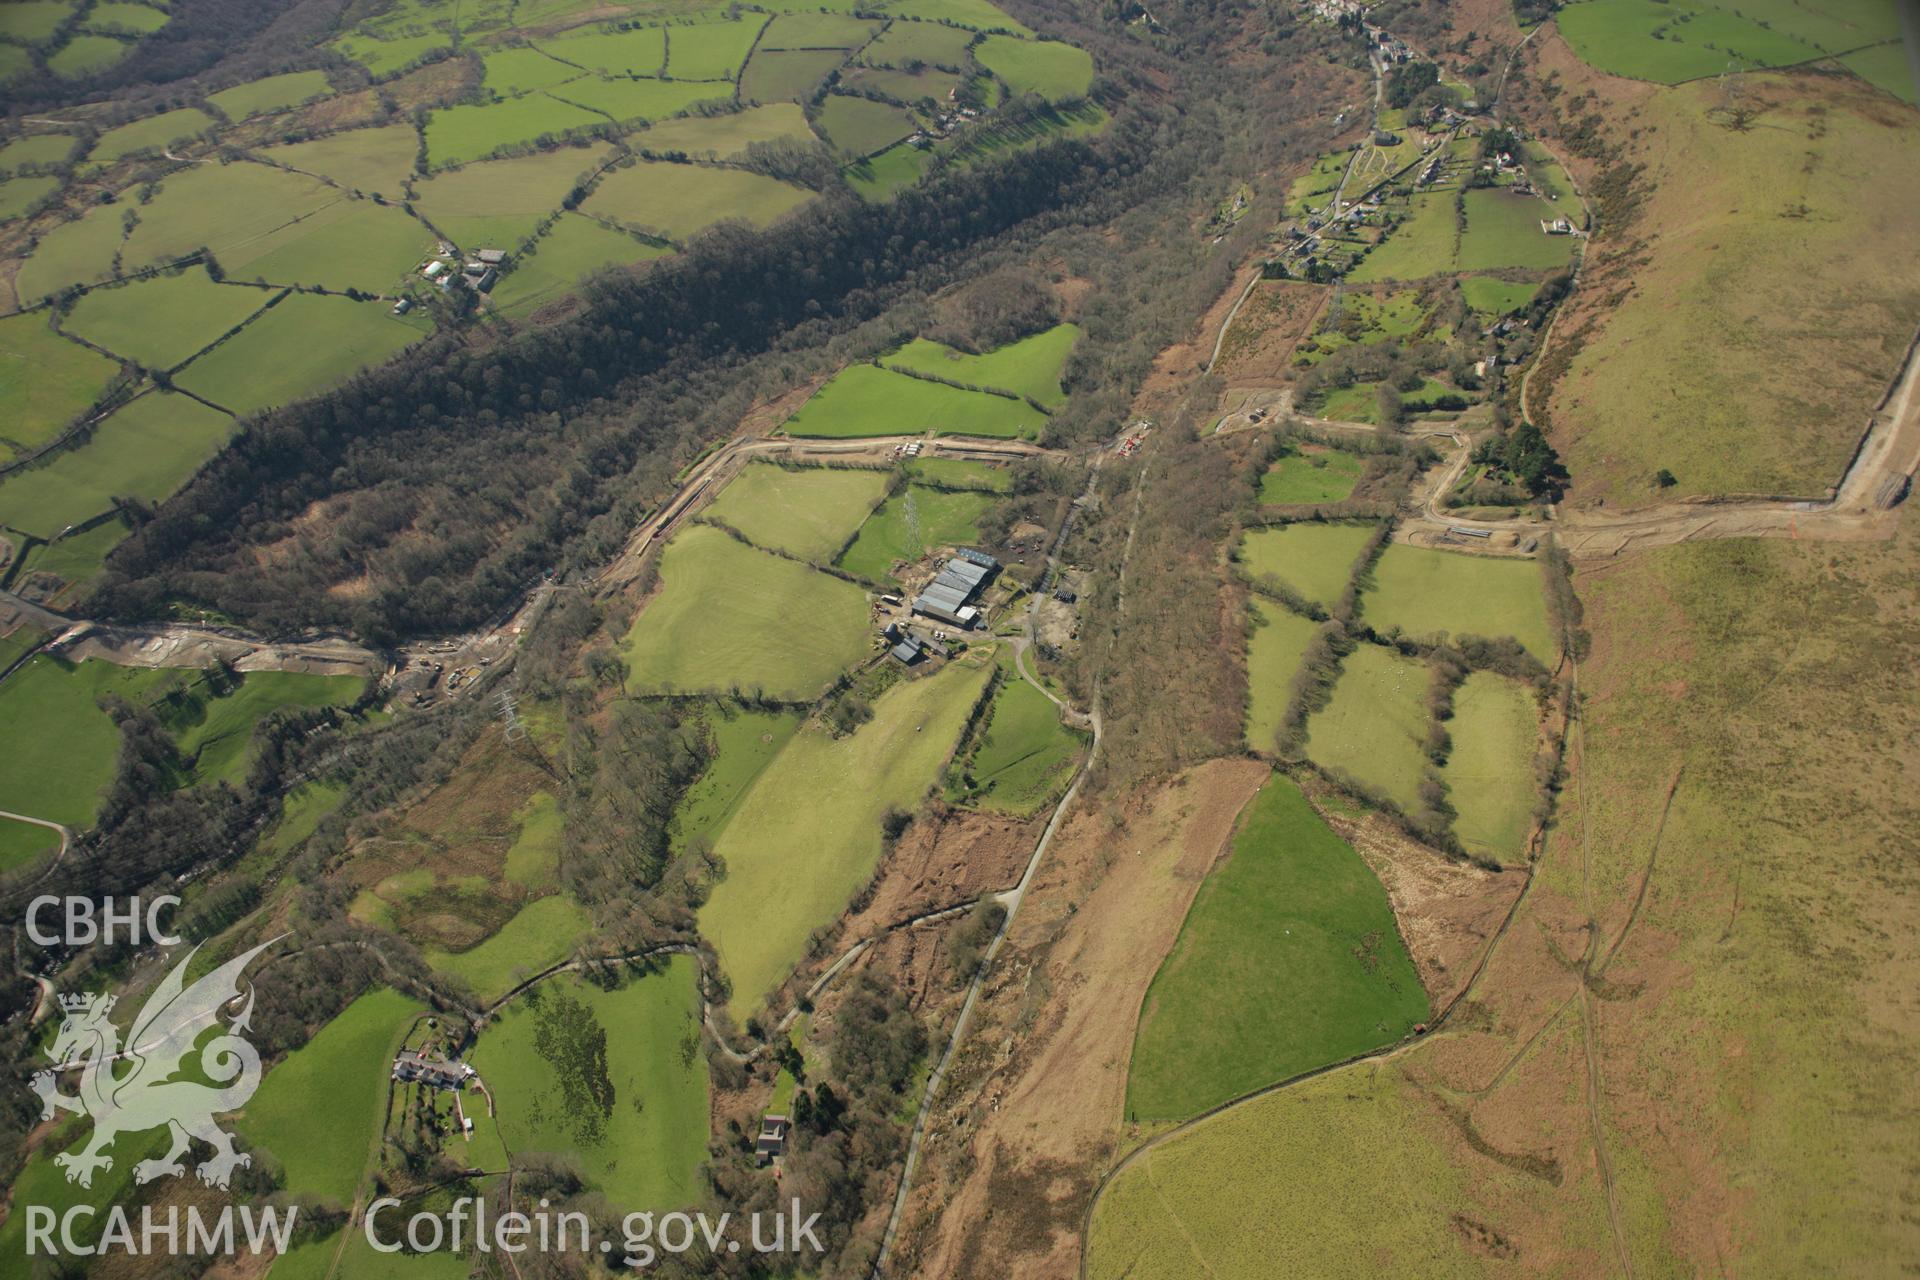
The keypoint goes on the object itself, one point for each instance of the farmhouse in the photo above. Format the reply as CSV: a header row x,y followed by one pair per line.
x,y
436,1073
1556,227
491,257
906,651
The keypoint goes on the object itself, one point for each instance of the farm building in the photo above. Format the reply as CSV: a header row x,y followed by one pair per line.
x,y
907,650
492,257
436,1073
948,597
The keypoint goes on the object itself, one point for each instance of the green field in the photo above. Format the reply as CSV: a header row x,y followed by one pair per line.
x,y
72,253
499,203
1026,754
307,806
1031,367
151,134
1668,41
1278,642
961,473
1489,774
319,1110
1361,401
640,52
74,559
83,55
808,513
1503,230
371,160
860,126
911,523
817,31
1227,1199
533,859
1422,592
772,625
933,43
1493,297
1886,66
724,137
1421,246
865,400
1327,475
633,1117
1375,728
744,743
214,734
802,842
146,450
1314,560
162,320
305,344
135,19
572,249
1057,72
18,195
711,50
1289,959
541,933
24,842
677,200
242,211
628,101
456,135
39,148
353,244
910,87
32,21
523,69
982,15
384,58
46,381
778,77
275,93
892,171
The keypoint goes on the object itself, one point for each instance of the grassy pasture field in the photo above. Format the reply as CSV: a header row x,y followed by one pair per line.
x,y
1361,401
1421,246
692,637
319,1109
744,744
301,346
499,203
1886,66
1489,773
22,843
711,50
933,43
306,807
1025,755
902,86
83,55
572,249
240,211
1031,367
1375,728
39,148
150,134
45,381
147,449
725,137
14,62
46,1182
1668,41
75,559
1228,1199
385,58
162,320
961,473
1289,959
456,135
274,93
861,126
631,101
17,195
892,171
802,843
1364,319
34,21
376,160
1314,559
910,524
52,700
865,400
639,52
1423,592
808,513
777,76
1325,475
1503,230
817,31
73,252
981,15
678,200
523,69
214,734
1057,72
347,244
644,1150
542,933
1278,641
1494,297
136,19
533,859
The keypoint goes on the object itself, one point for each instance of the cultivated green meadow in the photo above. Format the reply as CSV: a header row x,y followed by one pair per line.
x,y
1057,72
860,126
631,101
802,843
542,933
1375,728
368,160
1326,475
52,700
1668,41
1031,367
808,512
1503,230
1489,773
724,137
779,76
892,171
640,52
911,523
304,345
1311,559
711,50
1494,297
150,134
866,400
45,381
18,195
458,134
275,93
905,43
574,248
1289,959
677,200
744,743
499,203
771,624
1278,641
162,320
1025,755
1423,592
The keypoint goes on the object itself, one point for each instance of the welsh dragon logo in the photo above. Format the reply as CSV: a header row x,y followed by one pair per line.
x,y
135,1089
